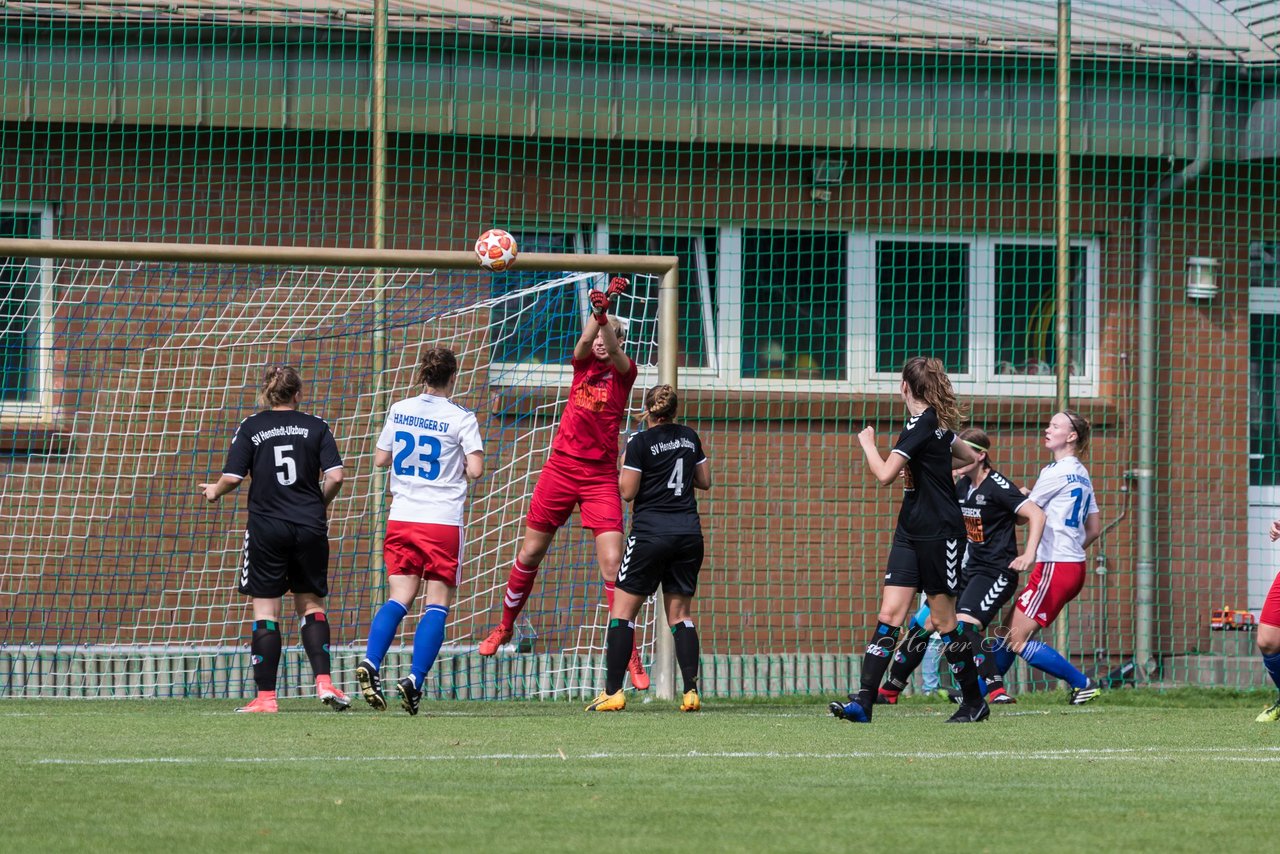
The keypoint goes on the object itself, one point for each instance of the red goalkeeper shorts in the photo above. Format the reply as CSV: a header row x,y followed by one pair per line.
x,y
566,482
424,549
1049,589
1271,605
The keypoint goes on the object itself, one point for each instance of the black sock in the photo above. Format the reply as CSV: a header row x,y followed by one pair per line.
x,y
908,657
875,661
315,640
620,639
958,647
986,662
265,649
687,652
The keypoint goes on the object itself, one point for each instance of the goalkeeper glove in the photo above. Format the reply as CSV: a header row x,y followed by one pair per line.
x,y
599,307
617,285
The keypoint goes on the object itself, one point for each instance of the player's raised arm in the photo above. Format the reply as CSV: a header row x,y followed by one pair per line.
x,y
885,470
601,335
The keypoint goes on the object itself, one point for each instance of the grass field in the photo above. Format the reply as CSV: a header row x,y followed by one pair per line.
x,y
1134,771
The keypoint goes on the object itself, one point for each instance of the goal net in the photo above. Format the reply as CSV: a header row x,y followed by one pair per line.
x,y
118,580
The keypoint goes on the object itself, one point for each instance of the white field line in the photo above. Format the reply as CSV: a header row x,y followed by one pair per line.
x,y
1143,754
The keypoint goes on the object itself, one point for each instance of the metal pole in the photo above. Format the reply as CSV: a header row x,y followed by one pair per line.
x,y
1062,223
664,651
378,222
316,256
1148,361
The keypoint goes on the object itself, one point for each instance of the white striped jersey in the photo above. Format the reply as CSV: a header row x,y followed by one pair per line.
x,y
1065,493
429,438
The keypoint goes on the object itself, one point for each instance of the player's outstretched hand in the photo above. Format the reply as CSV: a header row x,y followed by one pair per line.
x,y
599,305
209,491
617,285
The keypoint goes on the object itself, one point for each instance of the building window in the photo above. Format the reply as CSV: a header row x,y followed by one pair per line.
x,y
828,310
793,304
698,259
985,306
922,294
539,325
1026,310
1264,365
24,352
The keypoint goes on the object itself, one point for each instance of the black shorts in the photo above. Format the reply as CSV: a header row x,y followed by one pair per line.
x,y
986,591
932,566
672,560
281,557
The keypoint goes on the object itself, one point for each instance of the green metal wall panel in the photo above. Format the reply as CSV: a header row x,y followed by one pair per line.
x,y
245,85
71,82
158,84
420,92
330,88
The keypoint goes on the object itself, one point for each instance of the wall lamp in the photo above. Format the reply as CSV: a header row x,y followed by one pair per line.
x,y
1202,278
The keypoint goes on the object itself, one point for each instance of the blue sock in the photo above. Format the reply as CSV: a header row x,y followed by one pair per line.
x,y
1272,663
382,631
1004,656
426,642
921,616
1044,657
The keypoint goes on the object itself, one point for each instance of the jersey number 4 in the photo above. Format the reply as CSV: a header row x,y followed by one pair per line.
x,y
428,448
676,482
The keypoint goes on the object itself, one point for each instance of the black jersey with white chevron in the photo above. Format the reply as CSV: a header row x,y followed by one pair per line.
x,y
929,510
990,519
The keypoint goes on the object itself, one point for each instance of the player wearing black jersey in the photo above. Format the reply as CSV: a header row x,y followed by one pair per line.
x,y
661,468
295,472
927,543
991,506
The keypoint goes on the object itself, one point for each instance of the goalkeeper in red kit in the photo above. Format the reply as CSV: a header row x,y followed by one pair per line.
x,y
582,469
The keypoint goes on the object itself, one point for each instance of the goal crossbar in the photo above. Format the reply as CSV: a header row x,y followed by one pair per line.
x,y
316,255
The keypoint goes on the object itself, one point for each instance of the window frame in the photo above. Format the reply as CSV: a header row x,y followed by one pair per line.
x,y
599,236
723,320
40,405
981,377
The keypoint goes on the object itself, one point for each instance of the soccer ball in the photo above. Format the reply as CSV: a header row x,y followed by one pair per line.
x,y
496,250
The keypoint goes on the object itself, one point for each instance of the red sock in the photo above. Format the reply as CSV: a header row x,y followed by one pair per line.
x,y
519,583
608,594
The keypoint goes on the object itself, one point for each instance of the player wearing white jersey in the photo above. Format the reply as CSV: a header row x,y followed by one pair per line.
x,y
1072,522
433,447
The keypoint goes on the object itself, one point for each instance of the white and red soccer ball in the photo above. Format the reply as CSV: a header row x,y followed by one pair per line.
x,y
496,250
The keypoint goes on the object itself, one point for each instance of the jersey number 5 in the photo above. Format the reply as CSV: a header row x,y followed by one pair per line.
x,y
286,468
428,453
